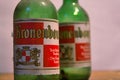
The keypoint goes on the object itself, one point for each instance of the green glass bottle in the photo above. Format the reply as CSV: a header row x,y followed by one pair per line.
x,y
36,41
74,41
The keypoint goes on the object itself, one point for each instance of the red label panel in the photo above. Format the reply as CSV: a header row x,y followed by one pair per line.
x,y
67,34
51,56
82,51
28,33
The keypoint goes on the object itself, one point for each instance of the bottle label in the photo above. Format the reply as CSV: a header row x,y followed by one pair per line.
x,y
74,44
36,47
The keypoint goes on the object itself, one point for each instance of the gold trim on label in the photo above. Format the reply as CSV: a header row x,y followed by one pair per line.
x,y
34,20
37,69
79,22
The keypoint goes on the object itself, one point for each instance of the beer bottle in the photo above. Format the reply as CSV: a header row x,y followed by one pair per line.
x,y
74,41
36,41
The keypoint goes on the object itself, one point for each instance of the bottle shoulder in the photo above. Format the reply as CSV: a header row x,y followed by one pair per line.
x,y
72,13
35,9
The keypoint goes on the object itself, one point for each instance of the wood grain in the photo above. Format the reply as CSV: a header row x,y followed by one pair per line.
x,y
96,75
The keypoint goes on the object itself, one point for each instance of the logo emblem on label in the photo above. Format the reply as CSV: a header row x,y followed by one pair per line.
x,y
27,56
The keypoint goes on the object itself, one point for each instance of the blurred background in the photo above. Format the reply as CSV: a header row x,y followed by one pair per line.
x,y
105,33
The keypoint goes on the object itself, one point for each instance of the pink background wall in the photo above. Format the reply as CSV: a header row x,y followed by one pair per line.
x,y
105,31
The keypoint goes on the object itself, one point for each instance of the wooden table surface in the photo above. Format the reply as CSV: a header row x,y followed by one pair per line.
x,y
96,75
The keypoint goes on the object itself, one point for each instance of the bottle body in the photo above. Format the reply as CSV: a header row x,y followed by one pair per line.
x,y
34,23
74,42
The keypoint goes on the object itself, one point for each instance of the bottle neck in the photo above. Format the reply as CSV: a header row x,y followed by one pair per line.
x,y
69,1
